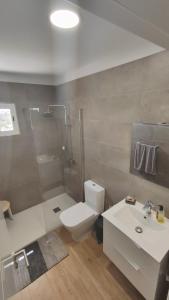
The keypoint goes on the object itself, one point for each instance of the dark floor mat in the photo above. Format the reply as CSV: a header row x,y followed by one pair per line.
x,y
37,265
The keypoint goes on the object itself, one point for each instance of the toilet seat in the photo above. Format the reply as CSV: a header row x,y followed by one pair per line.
x,y
77,214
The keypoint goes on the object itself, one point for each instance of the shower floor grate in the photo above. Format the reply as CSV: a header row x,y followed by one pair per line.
x,y
57,209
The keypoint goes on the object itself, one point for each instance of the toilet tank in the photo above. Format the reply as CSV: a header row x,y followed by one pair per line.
x,y
94,196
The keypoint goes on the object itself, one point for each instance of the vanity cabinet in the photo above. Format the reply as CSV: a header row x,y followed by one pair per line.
x,y
143,271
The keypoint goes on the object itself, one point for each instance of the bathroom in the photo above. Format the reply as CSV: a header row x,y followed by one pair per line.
x,y
74,97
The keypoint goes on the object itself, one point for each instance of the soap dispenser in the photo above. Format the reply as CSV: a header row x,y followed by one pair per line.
x,y
160,214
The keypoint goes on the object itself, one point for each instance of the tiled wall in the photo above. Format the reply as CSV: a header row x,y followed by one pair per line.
x,y
112,100
22,181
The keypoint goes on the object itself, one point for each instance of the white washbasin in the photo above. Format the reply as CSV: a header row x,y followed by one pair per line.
x,y
132,216
154,238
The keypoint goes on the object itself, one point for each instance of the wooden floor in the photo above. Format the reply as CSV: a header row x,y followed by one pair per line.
x,y
86,274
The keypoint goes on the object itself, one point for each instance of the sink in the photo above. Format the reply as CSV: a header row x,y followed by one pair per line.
x,y
153,236
132,216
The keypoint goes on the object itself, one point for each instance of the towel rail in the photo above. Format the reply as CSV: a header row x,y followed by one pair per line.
x,y
144,144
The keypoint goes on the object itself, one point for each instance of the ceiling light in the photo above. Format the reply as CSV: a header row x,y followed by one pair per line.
x,y
64,19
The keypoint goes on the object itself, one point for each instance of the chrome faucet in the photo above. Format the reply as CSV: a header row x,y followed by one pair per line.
x,y
148,206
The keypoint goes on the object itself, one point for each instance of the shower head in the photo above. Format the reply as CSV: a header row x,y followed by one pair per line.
x,y
48,114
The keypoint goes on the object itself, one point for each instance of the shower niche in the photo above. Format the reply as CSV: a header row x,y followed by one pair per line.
x,y
149,157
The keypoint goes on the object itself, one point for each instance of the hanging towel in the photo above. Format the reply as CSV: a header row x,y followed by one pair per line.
x,y
145,158
139,156
151,160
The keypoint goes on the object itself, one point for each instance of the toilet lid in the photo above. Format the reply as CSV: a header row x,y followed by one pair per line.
x,y
76,214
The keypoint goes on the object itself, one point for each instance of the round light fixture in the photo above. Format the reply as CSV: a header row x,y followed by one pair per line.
x,y
64,19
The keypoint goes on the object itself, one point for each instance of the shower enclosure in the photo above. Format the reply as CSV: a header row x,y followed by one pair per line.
x,y
58,140
58,145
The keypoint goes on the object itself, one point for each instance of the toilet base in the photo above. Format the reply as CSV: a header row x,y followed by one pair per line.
x,y
82,237
79,220
80,232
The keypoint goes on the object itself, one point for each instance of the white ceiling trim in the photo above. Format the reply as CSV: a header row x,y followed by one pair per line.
x,y
54,80
28,78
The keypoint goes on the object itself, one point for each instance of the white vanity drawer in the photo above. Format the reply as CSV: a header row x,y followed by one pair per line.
x,y
139,268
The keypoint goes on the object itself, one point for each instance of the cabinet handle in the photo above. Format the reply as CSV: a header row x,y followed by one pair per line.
x,y
131,263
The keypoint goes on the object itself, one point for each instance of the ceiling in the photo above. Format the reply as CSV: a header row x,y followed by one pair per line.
x,y
34,51
148,19
154,11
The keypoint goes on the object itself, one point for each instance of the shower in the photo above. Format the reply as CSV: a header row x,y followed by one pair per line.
x,y
68,140
50,113
48,159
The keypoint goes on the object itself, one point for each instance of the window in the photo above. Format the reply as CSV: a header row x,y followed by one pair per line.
x,y
8,120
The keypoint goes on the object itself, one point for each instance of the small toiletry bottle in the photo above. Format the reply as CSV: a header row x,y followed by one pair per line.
x,y
160,214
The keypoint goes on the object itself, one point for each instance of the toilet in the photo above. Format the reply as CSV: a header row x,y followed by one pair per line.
x,y
80,218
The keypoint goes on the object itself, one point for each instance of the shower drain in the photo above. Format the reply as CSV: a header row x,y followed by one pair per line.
x,y
138,229
56,210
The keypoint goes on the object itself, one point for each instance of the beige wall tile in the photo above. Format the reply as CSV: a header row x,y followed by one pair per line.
x,y
20,178
112,100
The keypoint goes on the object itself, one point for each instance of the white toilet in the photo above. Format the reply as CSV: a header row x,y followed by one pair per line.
x,y
80,218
